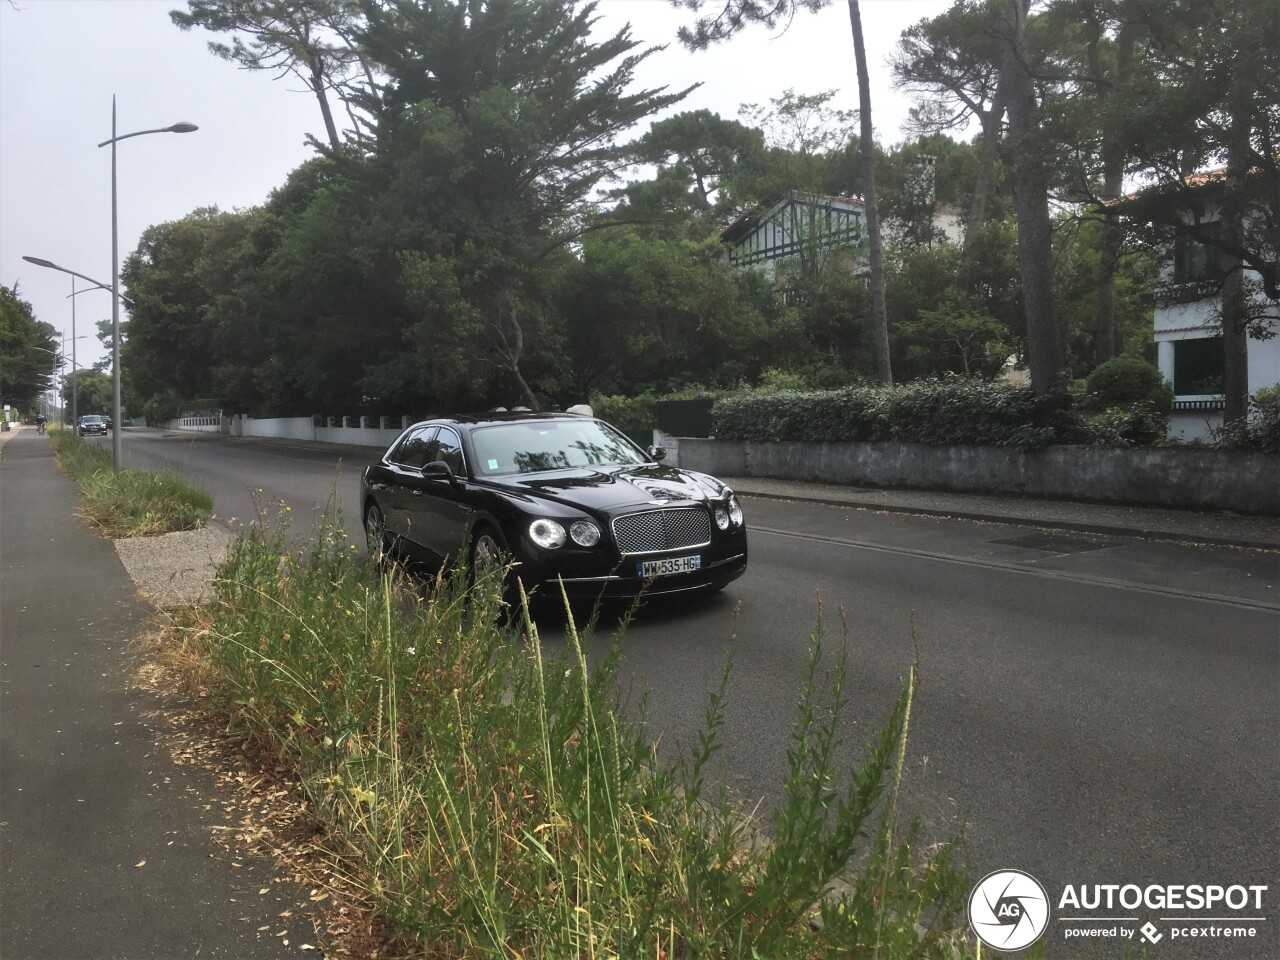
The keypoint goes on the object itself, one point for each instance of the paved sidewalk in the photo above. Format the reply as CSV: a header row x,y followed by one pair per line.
x,y
105,843
1230,529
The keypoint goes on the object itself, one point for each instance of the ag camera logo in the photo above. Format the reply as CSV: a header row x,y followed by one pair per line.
x,y
1008,910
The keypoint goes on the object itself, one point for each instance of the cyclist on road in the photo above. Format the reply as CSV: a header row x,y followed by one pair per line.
x,y
41,420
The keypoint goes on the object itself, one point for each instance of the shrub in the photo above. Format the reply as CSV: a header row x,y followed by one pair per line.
x,y
852,414
1125,381
961,410
627,413
956,410
1260,430
1141,424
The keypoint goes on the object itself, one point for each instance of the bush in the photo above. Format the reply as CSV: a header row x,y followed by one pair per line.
x,y
1141,424
852,414
627,413
1124,382
955,410
960,410
1261,430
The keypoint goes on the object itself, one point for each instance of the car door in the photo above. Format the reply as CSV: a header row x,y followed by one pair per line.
x,y
402,496
441,506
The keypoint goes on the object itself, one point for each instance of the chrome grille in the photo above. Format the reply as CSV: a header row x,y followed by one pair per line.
x,y
660,530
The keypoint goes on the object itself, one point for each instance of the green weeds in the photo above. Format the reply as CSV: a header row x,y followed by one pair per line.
x,y
494,801
130,503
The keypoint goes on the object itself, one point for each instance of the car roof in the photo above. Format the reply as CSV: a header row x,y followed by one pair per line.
x,y
484,419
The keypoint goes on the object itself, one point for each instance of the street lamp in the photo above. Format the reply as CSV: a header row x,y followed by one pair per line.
x,y
97,285
53,380
115,274
75,380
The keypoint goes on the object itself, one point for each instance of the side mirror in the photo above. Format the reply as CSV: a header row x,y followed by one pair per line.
x,y
438,470
658,453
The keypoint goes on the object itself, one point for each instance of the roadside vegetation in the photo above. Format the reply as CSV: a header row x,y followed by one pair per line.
x,y
487,796
131,503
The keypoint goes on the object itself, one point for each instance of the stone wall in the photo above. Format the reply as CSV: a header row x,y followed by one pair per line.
x,y
1183,477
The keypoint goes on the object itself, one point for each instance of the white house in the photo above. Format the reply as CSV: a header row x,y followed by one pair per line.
x,y
779,238
1188,327
805,231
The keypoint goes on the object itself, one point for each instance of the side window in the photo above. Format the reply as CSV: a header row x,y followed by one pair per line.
x,y
413,450
449,449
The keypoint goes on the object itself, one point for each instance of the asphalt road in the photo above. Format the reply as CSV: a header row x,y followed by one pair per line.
x,y
1094,710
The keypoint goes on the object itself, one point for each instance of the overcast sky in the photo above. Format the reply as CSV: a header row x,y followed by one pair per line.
x,y
61,61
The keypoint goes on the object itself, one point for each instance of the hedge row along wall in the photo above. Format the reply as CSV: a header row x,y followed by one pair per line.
x,y
927,411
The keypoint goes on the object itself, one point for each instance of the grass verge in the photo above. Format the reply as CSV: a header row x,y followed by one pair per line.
x,y
490,799
131,503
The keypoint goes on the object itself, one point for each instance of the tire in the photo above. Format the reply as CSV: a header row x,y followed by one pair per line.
x,y
487,547
375,535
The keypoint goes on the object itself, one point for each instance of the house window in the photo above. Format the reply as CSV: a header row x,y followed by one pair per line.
x,y
1197,366
1193,261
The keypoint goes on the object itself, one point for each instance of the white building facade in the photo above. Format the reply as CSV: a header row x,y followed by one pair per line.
x,y
1188,335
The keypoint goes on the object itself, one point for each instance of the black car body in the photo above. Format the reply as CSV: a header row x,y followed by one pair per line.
x,y
93,424
564,496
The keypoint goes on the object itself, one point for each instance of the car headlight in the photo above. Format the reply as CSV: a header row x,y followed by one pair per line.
x,y
547,534
722,518
735,511
585,533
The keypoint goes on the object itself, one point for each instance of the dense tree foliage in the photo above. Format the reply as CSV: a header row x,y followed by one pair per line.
x,y
28,348
503,218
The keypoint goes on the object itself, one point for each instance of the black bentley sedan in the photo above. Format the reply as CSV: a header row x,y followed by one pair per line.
x,y
564,496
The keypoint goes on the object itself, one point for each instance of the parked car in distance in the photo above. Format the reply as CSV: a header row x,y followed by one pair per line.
x,y
93,424
566,497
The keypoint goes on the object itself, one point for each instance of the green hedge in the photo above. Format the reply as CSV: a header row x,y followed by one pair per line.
x,y
956,410
852,414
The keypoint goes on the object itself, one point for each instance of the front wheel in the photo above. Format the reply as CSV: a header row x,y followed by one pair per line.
x,y
375,535
488,550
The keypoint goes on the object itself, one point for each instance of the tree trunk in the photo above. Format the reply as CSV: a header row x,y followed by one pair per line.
x,y
1031,200
320,88
987,159
1104,304
515,353
1235,311
866,147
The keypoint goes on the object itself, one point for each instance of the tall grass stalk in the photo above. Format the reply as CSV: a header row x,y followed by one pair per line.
x,y
495,800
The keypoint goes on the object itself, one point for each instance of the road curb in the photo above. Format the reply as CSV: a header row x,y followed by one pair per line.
x,y
1099,529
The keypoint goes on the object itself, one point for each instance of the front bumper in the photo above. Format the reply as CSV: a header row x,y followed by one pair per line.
x,y
589,577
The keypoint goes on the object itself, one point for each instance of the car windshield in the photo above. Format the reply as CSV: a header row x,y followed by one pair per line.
x,y
537,445
91,420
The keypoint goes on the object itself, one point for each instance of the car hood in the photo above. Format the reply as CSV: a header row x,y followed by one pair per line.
x,y
615,489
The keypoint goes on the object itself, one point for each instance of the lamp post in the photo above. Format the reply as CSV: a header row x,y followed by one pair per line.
x,y
115,273
97,285
53,379
75,380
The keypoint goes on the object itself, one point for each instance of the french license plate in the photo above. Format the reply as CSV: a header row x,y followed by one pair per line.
x,y
664,568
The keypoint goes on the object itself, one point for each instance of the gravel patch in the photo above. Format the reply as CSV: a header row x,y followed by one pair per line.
x,y
175,569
